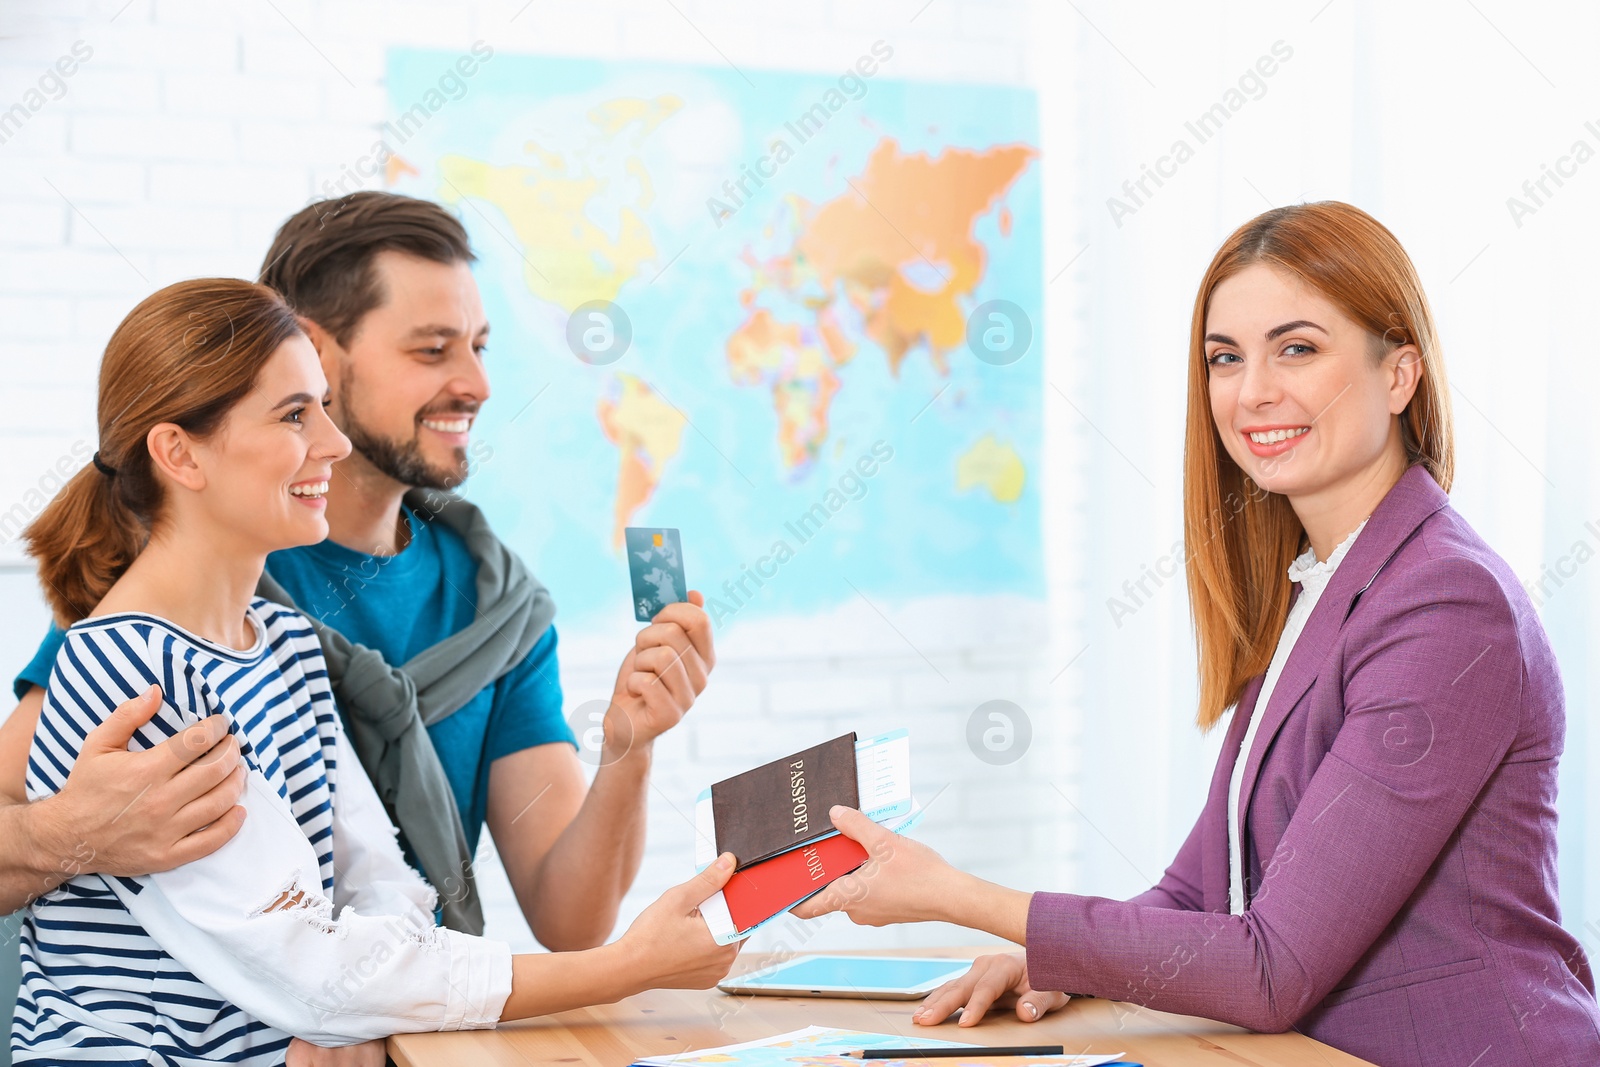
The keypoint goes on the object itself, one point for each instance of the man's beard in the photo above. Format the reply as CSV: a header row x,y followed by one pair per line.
x,y
402,460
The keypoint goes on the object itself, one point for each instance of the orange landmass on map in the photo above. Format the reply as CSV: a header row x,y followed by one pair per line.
x,y
911,213
396,168
899,246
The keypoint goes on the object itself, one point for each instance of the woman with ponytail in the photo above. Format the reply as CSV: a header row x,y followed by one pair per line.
x,y
307,928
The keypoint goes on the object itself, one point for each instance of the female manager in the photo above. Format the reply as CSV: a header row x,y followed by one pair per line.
x,y
1375,864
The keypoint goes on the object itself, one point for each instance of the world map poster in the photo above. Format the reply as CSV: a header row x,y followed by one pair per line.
x,y
797,316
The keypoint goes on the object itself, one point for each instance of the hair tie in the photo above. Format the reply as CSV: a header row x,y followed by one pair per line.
x,y
109,472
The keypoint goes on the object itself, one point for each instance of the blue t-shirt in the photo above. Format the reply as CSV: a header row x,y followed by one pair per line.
x,y
400,605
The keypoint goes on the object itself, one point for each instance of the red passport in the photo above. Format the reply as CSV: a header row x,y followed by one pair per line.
x,y
759,892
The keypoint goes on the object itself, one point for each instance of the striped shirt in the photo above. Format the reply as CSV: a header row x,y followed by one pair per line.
x,y
226,958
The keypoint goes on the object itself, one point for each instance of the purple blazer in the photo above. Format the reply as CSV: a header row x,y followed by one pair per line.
x,y
1400,831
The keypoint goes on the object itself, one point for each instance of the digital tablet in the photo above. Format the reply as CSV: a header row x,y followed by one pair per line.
x,y
856,977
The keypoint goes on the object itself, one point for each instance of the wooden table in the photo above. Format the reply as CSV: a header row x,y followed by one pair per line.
x,y
665,1021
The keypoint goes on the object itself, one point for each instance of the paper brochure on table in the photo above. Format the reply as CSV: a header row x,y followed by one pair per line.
x,y
883,778
821,1046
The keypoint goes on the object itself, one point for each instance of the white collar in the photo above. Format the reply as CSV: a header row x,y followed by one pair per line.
x,y
1308,570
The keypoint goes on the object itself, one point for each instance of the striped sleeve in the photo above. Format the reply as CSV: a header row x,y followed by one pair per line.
x,y
95,671
92,675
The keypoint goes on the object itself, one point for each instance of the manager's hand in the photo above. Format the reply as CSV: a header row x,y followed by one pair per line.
x,y
135,813
993,982
902,881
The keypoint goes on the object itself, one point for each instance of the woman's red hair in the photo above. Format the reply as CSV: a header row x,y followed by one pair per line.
x,y
1241,538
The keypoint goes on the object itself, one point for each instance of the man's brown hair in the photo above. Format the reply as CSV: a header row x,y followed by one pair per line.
x,y
321,259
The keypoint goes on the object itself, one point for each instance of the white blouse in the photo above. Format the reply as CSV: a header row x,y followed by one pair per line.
x,y
1312,577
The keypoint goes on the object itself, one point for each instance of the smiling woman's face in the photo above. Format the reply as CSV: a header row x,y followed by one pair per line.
x,y
268,466
1300,401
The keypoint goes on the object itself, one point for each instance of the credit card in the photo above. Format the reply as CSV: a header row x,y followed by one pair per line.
x,y
655,562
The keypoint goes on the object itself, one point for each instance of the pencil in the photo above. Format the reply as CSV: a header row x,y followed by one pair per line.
x,y
960,1050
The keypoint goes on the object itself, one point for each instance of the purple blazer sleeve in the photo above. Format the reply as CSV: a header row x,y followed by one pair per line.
x,y
1435,668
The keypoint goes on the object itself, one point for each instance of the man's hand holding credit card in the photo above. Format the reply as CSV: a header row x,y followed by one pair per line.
x,y
672,655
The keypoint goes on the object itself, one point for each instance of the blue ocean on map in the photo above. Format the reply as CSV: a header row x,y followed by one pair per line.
x,y
745,304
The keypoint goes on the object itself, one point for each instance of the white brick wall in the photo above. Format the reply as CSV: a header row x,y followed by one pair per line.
x,y
196,127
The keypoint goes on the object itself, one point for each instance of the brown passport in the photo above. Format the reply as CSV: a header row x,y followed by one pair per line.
x,y
784,804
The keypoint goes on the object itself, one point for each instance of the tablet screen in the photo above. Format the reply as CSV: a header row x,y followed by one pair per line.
x,y
863,973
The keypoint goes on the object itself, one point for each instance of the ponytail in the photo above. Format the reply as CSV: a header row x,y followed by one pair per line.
x,y
83,541
186,355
